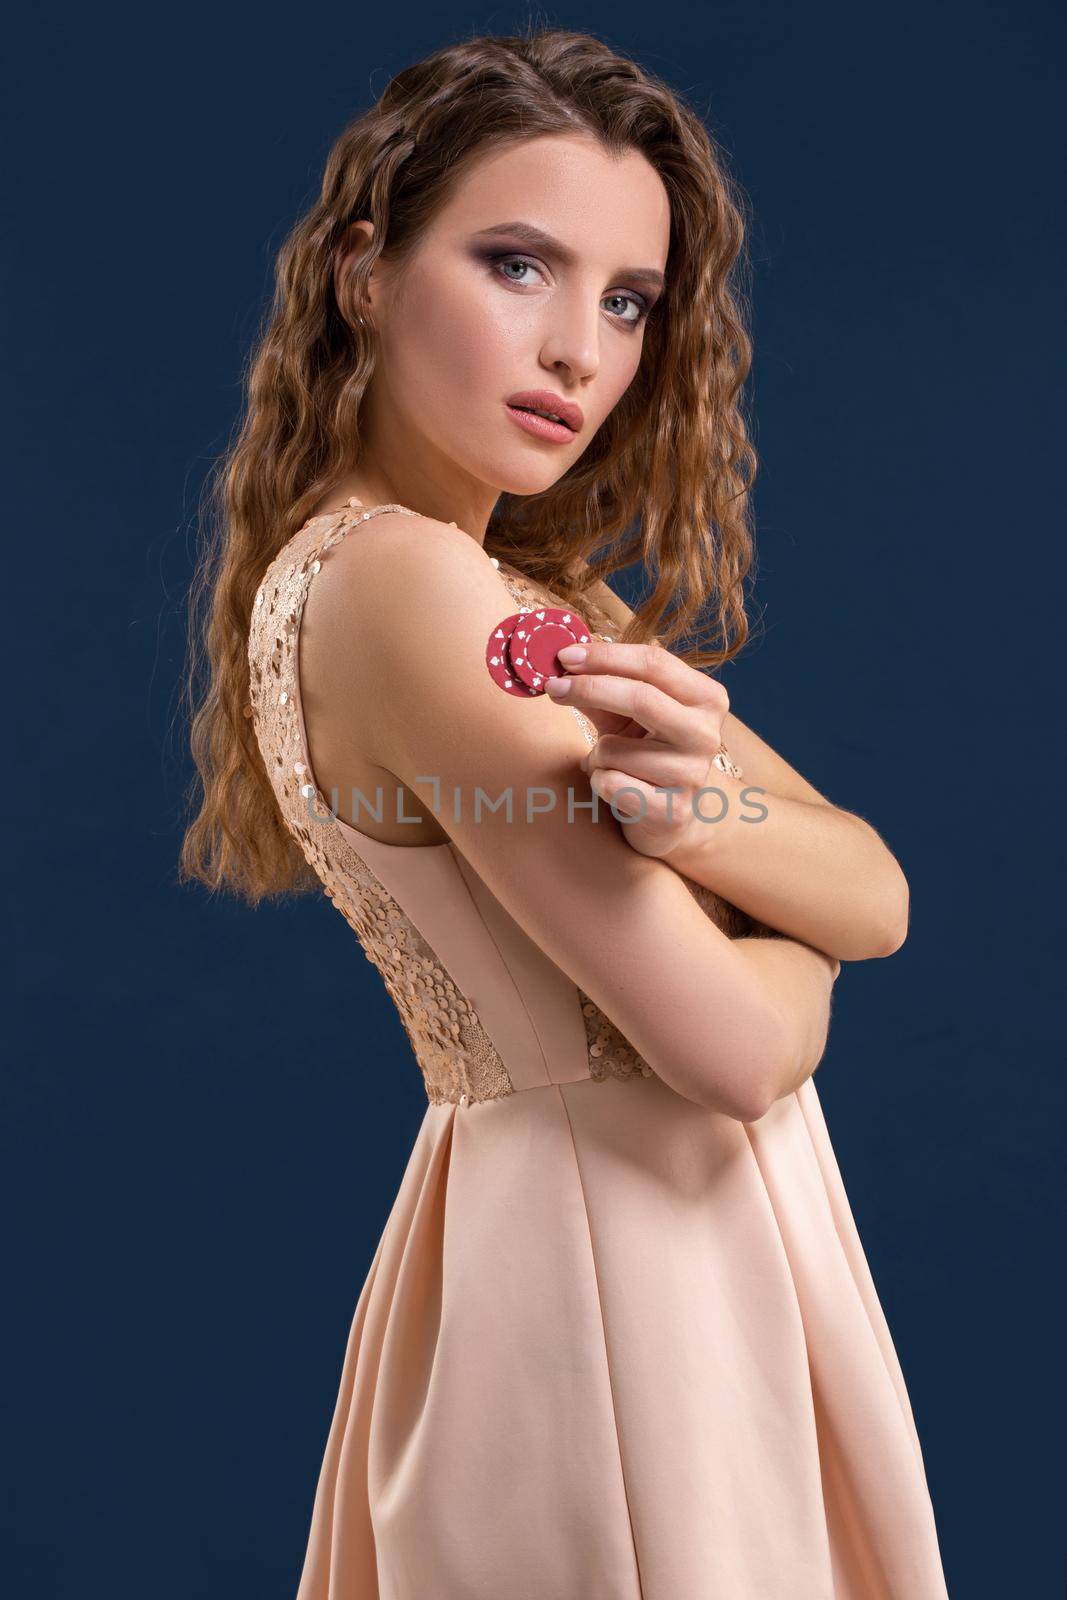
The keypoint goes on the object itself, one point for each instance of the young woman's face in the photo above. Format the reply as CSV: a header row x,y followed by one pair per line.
x,y
482,313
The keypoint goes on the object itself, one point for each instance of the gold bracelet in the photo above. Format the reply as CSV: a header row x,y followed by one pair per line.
x,y
725,764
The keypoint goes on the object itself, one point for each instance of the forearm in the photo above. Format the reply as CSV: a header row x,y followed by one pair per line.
x,y
816,873
797,981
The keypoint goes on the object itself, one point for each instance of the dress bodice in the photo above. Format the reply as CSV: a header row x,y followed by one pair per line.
x,y
479,1001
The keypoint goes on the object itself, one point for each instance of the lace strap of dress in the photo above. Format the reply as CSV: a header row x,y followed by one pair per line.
x,y
356,512
457,1057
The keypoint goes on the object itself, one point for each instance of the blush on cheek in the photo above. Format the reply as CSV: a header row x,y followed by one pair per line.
x,y
430,366
473,362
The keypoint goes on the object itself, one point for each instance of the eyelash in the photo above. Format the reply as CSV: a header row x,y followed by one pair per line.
x,y
495,258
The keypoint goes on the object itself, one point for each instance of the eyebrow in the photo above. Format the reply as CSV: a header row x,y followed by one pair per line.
x,y
649,276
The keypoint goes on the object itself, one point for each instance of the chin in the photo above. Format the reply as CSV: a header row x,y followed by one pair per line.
x,y
511,477
528,483
527,474
517,471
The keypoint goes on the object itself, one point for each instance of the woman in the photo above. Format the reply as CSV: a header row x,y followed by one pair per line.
x,y
619,1337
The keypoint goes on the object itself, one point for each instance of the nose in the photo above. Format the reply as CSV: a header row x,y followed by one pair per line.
x,y
572,337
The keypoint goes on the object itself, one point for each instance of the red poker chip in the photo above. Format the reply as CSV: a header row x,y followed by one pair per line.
x,y
521,651
498,660
535,641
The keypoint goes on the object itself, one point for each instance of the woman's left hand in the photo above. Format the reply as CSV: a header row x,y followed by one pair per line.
x,y
660,725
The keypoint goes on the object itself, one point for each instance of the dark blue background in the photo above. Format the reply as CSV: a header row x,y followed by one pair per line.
x,y
209,1109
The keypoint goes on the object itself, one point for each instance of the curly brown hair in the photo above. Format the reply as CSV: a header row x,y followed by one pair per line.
x,y
673,456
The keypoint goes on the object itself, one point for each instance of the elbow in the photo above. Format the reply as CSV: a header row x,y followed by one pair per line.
x,y
752,1104
746,1087
775,1068
743,1103
884,931
886,907
895,926
764,1083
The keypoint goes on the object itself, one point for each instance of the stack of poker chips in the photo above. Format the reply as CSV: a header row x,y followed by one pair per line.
x,y
521,652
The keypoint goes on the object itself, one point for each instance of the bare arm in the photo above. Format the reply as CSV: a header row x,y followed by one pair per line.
x,y
786,854
706,1014
805,866
800,980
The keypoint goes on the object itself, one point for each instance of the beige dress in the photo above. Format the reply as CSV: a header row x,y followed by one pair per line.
x,y
611,1344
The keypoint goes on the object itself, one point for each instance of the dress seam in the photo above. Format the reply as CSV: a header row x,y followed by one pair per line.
x,y
604,1333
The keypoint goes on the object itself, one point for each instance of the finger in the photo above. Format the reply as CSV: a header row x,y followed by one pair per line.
x,y
618,788
653,664
648,759
637,802
656,710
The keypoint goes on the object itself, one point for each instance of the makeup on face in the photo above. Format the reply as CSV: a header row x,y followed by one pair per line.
x,y
648,280
543,414
527,318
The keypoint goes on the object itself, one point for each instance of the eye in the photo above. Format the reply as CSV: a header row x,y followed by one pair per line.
x,y
640,305
521,261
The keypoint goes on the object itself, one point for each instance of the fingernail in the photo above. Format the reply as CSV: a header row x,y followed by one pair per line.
x,y
571,654
558,686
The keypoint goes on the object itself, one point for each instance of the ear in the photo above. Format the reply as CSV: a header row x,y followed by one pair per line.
x,y
354,241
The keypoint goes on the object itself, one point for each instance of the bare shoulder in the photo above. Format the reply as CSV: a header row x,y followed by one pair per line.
x,y
382,551
394,571
400,630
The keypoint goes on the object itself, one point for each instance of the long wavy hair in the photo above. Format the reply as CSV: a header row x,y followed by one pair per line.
x,y
673,457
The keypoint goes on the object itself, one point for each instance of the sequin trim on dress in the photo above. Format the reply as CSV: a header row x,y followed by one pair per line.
x,y
457,1058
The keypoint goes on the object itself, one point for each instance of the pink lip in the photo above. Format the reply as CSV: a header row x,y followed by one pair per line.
x,y
541,427
547,401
